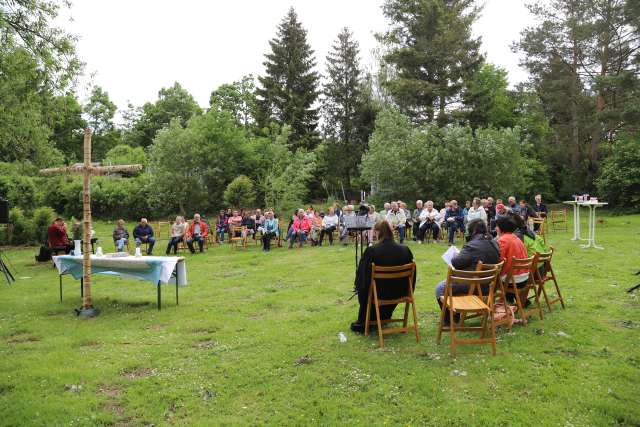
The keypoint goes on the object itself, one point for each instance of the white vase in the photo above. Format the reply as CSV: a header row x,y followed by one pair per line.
x,y
77,250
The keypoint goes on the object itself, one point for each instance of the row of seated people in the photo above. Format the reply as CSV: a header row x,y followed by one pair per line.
x,y
513,240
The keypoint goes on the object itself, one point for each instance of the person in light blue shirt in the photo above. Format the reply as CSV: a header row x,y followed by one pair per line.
x,y
269,230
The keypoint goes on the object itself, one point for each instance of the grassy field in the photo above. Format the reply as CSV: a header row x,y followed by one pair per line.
x,y
254,341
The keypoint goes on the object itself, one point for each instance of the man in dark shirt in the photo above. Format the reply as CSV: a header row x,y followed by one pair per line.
x,y
143,233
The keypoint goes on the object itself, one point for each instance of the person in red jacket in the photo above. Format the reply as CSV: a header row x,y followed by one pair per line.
x,y
197,232
57,236
300,229
511,246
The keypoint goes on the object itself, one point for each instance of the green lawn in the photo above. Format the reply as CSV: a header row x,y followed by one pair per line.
x,y
254,341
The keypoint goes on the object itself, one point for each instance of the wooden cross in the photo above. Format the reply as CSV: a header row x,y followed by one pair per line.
x,y
88,169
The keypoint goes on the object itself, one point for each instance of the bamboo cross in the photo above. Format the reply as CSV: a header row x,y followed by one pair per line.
x,y
87,170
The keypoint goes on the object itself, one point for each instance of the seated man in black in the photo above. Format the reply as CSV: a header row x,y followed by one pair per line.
x,y
480,247
386,252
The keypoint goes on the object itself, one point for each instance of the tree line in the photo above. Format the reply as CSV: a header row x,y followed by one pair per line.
x,y
434,119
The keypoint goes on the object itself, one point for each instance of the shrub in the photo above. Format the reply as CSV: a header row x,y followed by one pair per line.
x,y
619,182
40,221
22,227
240,192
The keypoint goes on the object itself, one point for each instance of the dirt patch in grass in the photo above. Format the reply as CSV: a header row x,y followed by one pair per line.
x,y
202,330
21,337
113,404
137,373
204,345
89,343
156,327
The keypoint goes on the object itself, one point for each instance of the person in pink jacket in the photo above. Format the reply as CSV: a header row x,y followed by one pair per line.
x,y
301,228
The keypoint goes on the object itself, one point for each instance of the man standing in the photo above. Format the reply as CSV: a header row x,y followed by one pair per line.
x,y
143,233
197,232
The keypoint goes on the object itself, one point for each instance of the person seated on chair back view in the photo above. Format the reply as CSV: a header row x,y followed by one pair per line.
x,y
511,246
385,253
480,248
57,236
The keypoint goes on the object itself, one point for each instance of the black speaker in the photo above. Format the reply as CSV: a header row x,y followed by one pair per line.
x,y
4,211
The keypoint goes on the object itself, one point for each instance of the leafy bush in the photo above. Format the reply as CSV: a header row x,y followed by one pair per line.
x,y
428,162
240,192
22,227
619,182
21,191
41,219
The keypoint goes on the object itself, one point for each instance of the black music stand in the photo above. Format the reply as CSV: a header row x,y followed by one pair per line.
x,y
356,225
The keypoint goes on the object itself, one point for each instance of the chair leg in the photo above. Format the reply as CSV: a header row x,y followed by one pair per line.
x,y
537,299
415,319
521,310
493,334
368,316
555,283
453,333
541,289
406,315
441,325
375,298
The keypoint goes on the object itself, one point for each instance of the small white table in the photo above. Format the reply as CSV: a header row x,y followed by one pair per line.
x,y
591,240
576,218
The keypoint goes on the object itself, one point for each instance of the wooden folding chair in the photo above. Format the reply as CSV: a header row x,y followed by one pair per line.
x,y
510,287
406,271
474,302
558,220
540,222
237,237
541,278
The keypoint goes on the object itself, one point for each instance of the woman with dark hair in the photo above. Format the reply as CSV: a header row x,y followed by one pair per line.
x,y
480,247
386,252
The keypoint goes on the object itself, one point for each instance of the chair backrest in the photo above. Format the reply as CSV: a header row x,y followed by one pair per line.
x,y
474,279
393,272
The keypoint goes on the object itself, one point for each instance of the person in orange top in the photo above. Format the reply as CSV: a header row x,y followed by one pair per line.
x,y
511,246
197,232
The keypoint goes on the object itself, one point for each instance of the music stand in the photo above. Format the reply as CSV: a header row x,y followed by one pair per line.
x,y
358,224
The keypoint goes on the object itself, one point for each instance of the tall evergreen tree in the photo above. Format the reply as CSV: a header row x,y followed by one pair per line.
x,y
288,90
581,57
342,106
431,53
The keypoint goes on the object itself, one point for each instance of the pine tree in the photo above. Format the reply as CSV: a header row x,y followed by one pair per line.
x,y
343,105
431,53
289,88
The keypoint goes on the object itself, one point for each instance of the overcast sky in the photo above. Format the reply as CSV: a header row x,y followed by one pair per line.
x,y
133,48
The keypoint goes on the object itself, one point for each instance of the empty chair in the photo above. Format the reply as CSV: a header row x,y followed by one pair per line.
x,y
479,283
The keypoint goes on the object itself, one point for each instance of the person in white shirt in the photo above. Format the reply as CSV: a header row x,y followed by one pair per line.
x,y
387,208
443,212
329,225
476,211
344,231
429,219
373,218
397,220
